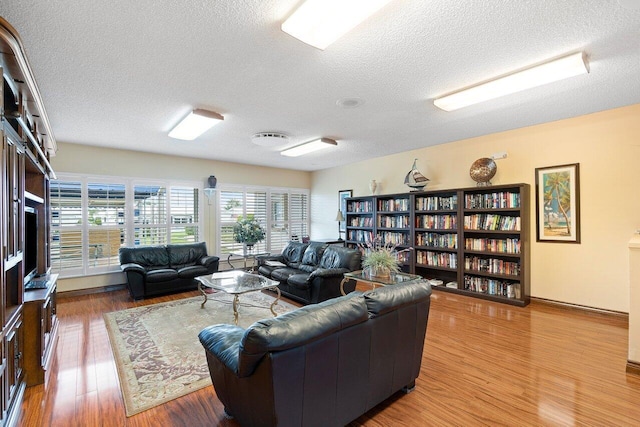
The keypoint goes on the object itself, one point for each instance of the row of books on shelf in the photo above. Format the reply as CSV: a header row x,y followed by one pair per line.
x,y
492,265
361,221
360,235
434,203
393,221
393,238
498,200
392,205
437,259
493,287
360,206
437,240
404,257
492,222
511,246
442,222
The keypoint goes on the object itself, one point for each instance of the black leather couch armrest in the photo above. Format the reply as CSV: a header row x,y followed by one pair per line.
x,y
328,272
132,267
209,260
262,259
223,341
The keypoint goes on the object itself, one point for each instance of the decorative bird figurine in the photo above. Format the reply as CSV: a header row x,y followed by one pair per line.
x,y
414,179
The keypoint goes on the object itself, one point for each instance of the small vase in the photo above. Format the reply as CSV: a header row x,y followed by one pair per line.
x,y
373,185
248,247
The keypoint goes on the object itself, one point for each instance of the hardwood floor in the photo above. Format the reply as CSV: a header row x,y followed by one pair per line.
x,y
484,364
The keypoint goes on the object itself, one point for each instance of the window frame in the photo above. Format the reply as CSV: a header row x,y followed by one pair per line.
x,y
86,269
268,246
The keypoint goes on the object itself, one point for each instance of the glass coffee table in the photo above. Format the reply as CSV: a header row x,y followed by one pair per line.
x,y
236,282
375,281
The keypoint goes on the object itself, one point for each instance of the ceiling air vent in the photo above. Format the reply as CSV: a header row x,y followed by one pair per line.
x,y
269,139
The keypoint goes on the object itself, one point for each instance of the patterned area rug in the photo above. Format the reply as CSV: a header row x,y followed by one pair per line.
x,y
156,347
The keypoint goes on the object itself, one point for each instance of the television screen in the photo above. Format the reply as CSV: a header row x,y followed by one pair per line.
x,y
30,254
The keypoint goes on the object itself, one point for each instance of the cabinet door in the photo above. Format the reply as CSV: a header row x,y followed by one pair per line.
x,y
13,344
13,166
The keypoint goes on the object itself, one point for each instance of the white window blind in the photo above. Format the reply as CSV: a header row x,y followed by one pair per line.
x,y
283,213
150,214
66,226
184,214
106,223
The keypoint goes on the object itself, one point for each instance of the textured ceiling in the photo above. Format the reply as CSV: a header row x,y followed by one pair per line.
x,y
122,73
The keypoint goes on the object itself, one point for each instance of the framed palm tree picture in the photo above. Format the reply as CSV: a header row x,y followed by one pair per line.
x,y
558,203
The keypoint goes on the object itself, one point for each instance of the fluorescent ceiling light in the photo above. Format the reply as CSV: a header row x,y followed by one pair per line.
x,y
321,22
568,66
195,124
309,147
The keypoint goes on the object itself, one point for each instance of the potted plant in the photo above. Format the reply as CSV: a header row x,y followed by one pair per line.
x,y
380,260
247,230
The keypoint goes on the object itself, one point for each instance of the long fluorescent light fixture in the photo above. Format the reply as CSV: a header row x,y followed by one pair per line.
x,y
195,124
568,66
321,22
309,147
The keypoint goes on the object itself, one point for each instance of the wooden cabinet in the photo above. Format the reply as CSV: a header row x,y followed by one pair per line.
x,y
41,330
28,330
472,241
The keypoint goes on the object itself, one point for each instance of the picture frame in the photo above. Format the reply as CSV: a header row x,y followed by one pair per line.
x,y
343,195
558,203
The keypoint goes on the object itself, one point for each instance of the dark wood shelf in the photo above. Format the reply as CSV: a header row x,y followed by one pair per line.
x,y
457,197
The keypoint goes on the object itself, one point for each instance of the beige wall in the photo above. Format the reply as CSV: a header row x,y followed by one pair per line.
x,y
594,273
82,159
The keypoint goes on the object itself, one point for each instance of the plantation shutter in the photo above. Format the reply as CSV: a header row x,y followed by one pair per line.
x,y
150,215
256,207
231,207
66,226
279,230
299,214
184,214
106,224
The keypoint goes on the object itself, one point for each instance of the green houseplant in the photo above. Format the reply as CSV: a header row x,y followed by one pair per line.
x,y
247,230
380,260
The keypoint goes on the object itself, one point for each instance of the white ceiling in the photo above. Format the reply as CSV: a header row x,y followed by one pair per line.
x,y
122,73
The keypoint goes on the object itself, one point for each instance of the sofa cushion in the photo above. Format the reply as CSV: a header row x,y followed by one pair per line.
x,y
186,255
299,327
293,252
388,298
149,257
300,281
312,256
340,257
282,274
192,271
161,275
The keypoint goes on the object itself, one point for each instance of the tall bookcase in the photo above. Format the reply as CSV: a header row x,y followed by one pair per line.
x,y
472,241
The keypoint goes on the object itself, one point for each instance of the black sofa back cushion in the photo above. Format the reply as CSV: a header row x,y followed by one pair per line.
x,y
312,256
292,253
149,257
181,256
388,298
340,257
299,327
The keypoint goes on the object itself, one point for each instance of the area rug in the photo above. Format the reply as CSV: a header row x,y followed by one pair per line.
x,y
156,347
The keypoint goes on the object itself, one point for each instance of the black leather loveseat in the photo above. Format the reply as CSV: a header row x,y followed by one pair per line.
x,y
323,364
156,270
311,272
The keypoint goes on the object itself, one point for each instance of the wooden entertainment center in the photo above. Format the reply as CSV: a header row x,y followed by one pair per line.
x,y
474,241
28,317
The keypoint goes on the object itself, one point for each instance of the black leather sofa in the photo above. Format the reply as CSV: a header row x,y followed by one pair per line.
x,y
323,364
156,270
312,271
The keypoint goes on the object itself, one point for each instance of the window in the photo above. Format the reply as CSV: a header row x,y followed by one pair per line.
x,y
92,217
283,213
